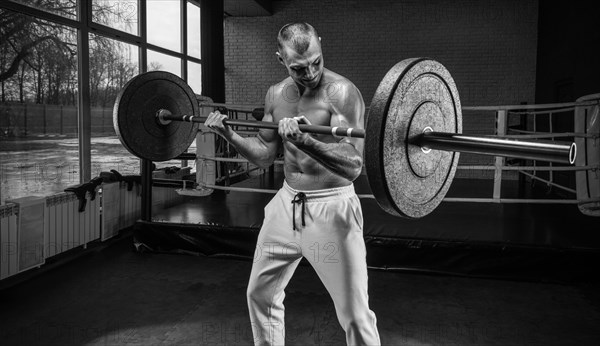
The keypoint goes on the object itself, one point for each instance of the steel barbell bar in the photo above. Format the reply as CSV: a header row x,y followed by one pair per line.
x,y
491,146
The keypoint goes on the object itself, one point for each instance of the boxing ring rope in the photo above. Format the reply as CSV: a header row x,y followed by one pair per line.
x,y
464,167
447,199
529,107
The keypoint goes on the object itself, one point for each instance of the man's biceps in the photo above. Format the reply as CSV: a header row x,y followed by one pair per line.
x,y
347,121
268,137
354,142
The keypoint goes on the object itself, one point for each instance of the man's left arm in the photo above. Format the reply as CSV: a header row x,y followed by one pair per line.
x,y
343,158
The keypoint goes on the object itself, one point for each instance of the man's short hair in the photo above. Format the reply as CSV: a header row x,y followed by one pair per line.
x,y
297,35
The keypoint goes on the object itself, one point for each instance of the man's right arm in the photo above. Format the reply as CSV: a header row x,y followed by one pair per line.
x,y
260,150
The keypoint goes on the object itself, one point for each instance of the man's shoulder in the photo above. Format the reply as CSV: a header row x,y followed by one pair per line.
x,y
335,84
276,92
335,80
279,87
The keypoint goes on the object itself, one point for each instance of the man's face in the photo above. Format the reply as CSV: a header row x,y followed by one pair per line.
x,y
307,68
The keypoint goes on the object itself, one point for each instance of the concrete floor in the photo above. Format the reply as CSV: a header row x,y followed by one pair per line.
x,y
114,296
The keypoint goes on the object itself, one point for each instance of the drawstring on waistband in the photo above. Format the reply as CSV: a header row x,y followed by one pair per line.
x,y
300,197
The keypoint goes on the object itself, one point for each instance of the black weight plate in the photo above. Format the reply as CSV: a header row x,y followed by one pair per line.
x,y
134,115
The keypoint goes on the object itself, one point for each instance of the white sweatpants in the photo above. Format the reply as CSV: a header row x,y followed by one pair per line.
x,y
331,239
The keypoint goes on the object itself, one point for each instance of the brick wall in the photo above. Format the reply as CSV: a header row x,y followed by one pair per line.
x,y
488,46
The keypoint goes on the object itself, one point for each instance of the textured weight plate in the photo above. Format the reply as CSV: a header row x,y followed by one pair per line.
x,y
587,120
134,115
415,95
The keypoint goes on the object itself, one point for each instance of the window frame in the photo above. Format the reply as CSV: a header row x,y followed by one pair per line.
x,y
84,26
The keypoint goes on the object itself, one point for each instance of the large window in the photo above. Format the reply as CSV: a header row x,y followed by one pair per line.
x,y
164,62
112,64
193,30
164,24
45,145
38,106
118,14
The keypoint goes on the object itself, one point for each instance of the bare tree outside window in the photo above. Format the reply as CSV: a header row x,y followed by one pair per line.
x,y
38,61
163,62
64,8
117,14
38,97
38,101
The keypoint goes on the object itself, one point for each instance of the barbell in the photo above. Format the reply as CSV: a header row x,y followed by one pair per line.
x,y
412,138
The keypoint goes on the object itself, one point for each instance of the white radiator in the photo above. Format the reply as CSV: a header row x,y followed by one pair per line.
x,y
25,245
8,240
66,227
120,208
35,228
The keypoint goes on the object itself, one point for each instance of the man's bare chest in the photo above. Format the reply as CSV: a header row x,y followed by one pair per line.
x,y
316,112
